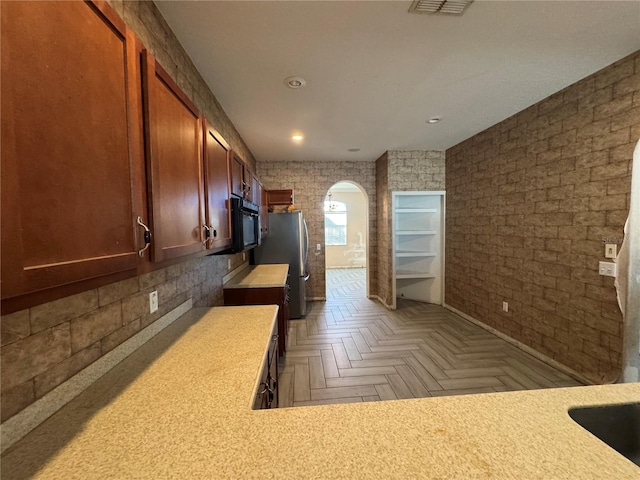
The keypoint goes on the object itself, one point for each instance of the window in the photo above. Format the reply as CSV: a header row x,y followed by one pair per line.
x,y
335,223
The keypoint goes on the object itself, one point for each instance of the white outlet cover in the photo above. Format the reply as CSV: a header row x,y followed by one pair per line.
x,y
153,301
505,306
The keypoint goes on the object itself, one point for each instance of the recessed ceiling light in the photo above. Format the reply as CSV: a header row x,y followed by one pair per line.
x,y
354,149
295,82
297,137
434,120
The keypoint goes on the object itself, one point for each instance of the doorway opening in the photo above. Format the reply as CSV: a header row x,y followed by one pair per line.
x,y
346,228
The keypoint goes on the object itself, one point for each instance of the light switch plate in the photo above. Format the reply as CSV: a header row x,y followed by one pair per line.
x,y
318,247
607,269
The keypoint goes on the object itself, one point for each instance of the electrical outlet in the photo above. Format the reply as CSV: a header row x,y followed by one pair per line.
x,y
610,250
607,269
243,256
153,301
318,247
228,264
505,307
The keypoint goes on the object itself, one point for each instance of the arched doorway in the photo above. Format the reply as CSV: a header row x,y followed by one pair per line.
x,y
346,221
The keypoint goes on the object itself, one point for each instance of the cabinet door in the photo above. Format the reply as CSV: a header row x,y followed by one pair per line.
x,y
237,176
264,211
68,145
174,165
217,191
249,188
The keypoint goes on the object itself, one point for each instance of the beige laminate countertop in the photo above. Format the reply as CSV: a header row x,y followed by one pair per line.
x,y
260,276
179,408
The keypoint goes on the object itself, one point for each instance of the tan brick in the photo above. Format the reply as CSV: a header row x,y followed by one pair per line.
x,y
593,159
573,287
26,358
575,177
591,189
572,232
15,399
616,218
53,313
617,105
560,193
601,293
613,74
117,291
627,85
590,218
15,326
610,202
547,207
152,279
51,378
625,119
611,139
91,327
623,153
558,245
135,306
612,170
114,339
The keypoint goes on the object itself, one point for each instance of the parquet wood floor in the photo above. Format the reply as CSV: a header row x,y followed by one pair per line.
x,y
352,349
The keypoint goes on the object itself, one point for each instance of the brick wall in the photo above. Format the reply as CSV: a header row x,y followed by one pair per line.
x,y
383,208
529,202
311,182
45,345
416,170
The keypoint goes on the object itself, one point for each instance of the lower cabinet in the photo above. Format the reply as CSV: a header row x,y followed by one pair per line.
x,y
267,393
264,296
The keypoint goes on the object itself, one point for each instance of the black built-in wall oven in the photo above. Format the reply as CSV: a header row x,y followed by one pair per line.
x,y
245,224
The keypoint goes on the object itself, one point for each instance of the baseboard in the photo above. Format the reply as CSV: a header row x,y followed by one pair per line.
x,y
317,299
526,348
26,420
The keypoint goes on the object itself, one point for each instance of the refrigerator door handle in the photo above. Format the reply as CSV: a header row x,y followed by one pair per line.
x,y
304,241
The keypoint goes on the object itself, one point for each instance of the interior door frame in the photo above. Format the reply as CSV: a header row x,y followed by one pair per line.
x,y
443,203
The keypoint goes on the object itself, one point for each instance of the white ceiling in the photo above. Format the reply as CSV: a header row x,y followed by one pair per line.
x,y
375,73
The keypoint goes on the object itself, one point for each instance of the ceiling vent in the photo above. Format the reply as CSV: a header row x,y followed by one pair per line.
x,y
448,7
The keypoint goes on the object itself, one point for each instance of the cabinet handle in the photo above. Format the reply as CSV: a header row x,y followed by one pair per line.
x,y
207,234
214,231
147,236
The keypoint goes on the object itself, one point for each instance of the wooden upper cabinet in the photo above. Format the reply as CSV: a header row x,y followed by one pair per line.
x,y
237,175
174,165
217,190
68,146
264,211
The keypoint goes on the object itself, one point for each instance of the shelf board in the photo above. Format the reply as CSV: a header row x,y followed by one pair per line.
x,y
409,275
408,253
416,232
416,210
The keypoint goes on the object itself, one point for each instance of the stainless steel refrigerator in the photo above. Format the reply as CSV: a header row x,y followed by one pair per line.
x,y
288,242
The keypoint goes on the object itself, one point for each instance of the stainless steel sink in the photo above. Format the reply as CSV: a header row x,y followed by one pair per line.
x,y
616,425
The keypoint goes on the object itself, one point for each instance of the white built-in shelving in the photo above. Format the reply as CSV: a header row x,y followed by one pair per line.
x,y
418,247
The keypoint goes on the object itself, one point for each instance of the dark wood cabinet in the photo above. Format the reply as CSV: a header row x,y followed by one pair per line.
x,y
174,165
217,190
264,296
71,145
267,394
279,197
264,211
243,180
237,175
